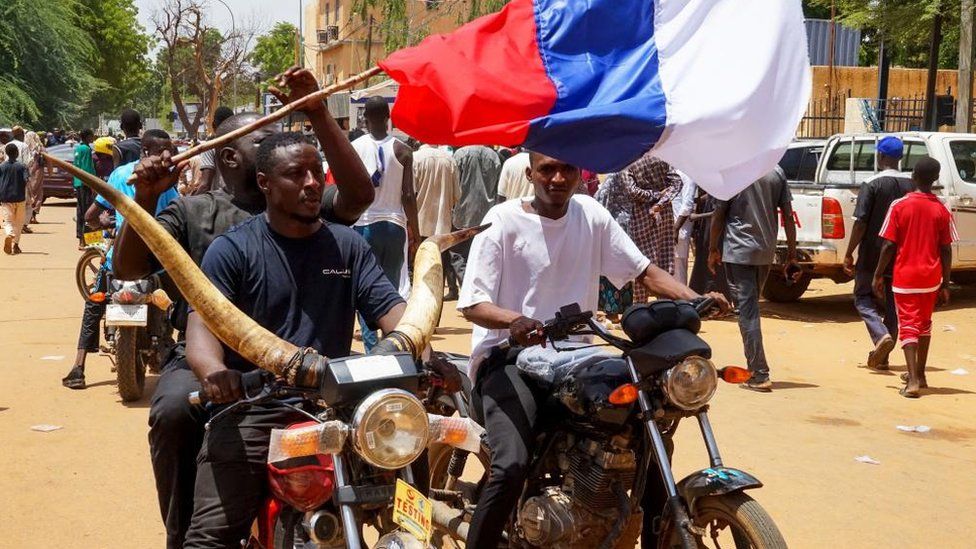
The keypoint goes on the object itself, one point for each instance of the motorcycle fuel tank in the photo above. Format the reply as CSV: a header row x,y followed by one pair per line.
x,y
351,379
585,388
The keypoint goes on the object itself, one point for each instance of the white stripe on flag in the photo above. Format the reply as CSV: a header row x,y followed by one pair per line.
x,y
736,75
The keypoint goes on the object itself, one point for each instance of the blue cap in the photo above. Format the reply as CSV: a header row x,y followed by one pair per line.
x,y
891,146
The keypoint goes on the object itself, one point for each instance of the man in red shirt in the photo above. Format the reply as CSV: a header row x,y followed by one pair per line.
x,y
918,233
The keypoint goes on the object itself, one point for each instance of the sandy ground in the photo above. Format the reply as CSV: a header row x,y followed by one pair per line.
x,y
90,484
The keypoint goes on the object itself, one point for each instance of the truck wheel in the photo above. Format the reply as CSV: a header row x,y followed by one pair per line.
x,y
778,291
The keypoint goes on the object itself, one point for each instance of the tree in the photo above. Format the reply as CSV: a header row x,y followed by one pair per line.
x,y
905,26
274,51
45,77
198,59
119,59
398,29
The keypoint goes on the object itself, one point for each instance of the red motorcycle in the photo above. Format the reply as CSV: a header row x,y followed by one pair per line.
x,y
354,463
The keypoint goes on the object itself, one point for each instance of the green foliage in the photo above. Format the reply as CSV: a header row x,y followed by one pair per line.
x,y
45,73
274,51
905,26
397,30
120,58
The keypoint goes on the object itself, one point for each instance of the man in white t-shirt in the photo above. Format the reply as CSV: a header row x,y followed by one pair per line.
x,y
513,183
539,254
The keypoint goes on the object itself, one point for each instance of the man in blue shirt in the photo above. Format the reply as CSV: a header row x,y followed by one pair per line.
x,y
154,142
299,277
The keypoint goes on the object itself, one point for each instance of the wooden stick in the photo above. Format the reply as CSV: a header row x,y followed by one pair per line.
x,y
273,117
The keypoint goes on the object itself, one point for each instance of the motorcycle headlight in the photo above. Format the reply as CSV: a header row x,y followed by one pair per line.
x,y
390,429
691,384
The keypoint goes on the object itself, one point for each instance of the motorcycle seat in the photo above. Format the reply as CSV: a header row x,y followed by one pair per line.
x,y
644,322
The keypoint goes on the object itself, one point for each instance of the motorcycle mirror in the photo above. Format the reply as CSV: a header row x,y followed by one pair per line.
x,y
734,374
624,395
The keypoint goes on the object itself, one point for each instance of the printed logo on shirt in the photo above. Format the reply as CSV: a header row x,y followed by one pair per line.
x,y
344,273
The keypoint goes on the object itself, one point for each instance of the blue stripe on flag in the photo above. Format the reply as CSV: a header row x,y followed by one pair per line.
x,y
602,58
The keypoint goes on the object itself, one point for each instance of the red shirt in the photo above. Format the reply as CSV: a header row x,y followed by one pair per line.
x,y
919,223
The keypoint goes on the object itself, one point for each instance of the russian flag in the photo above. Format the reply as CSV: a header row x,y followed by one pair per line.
x,y
714,87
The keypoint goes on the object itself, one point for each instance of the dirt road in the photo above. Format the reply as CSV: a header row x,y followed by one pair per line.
x,y
90,484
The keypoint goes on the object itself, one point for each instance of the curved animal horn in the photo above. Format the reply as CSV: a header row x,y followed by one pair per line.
x,y
412,334
301,367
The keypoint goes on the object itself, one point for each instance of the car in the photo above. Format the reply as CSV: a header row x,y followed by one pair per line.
x,y
823,208
58,183
800,160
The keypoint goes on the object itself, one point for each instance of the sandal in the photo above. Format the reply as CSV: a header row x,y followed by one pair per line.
x,y
75,378
909,394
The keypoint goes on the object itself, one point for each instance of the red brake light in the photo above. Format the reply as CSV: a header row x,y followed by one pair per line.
x,y
624,395
305,482
734,374
832,219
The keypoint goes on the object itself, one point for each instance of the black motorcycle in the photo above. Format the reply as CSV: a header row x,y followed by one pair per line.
x,y
352,464
611,417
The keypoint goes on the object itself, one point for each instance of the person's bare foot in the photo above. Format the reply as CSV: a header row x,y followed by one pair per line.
x,y
909,392
922,383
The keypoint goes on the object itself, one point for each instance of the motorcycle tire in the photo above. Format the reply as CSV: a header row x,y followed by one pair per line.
x,y
439,458
750,524
130,367
89,265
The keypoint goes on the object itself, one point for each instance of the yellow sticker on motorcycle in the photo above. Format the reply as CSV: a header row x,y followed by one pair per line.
x,y
93,237
412,511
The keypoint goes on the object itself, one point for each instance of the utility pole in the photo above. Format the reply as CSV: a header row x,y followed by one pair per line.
x,y
300,58
964,106
369,48
931,123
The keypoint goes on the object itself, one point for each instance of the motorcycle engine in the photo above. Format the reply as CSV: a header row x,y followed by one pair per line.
x,y
582,511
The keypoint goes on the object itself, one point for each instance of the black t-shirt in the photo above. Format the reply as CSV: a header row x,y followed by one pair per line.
x,y
130,150
305,290
195,221
13,181
873,201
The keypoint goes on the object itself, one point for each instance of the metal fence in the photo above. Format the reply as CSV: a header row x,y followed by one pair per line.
x,y
825,115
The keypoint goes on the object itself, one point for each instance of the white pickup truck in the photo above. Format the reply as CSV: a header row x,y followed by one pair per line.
x,y
824,207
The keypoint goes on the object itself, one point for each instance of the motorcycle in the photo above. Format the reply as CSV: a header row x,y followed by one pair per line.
x,y
353,463
137,317
611,418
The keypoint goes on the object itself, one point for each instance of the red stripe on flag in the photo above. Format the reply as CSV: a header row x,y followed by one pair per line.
x,y
481,84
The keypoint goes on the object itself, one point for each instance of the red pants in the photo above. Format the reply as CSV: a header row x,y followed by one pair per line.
x,y
914,315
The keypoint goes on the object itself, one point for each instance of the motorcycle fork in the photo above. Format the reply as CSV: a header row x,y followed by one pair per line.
x,y
458,457
348,514
714,457
676,505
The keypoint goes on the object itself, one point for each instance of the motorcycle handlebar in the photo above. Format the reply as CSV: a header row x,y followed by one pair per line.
x,y
251,383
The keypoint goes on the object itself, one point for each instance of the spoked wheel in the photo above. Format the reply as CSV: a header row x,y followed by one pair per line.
x,y
88,270
468,486
730,520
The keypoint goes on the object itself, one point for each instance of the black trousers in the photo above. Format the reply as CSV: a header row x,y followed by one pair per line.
x,y
459,258
232,478
91,319
175,436
509,410
83,201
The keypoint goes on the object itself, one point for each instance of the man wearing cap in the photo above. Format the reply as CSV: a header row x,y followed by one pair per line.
x,y
873,201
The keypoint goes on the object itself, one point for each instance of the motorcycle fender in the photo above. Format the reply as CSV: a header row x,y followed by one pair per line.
x,y
715,481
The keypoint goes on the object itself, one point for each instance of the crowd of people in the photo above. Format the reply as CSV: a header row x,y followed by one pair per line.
x,y
309,233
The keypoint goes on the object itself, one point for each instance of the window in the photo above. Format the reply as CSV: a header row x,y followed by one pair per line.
x,y
840,159
336,18
964,157
791,163
327,10
808,164
432,4
914,151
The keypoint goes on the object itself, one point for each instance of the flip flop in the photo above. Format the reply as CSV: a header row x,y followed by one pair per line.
x,y
904,377
908,394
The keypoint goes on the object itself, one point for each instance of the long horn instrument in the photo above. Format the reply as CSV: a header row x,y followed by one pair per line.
x,y
300,367
284,111
415,329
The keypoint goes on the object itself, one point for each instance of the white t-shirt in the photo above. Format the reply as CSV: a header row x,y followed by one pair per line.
x,y
535,265
513,183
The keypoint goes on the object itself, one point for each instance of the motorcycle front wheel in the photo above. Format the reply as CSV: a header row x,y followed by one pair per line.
x,y
88,270
730,520
130,366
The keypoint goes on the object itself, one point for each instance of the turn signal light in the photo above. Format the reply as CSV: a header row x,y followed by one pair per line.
x,y
624,395
734,374
97,297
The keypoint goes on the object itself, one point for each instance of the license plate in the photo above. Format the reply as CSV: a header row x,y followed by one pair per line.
x,y
126,315
93,237
412,511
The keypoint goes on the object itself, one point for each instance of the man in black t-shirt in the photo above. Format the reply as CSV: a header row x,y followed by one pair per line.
x,y
175,426
300,278
873,200
129,149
